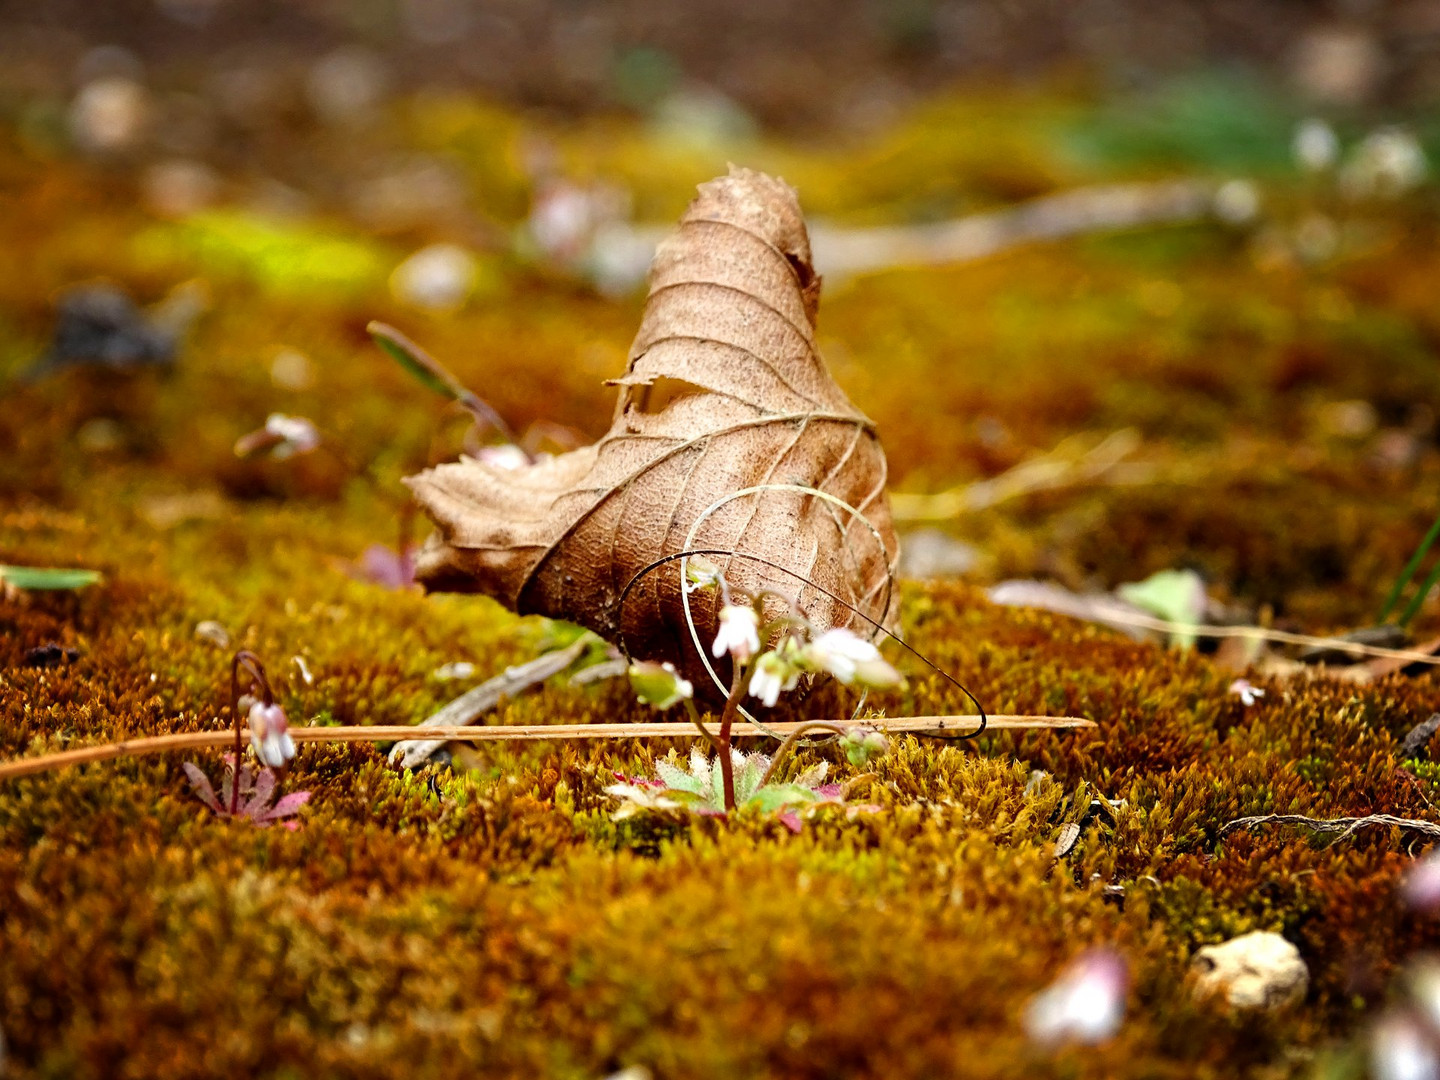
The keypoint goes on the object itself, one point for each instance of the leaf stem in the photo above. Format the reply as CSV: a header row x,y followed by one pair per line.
x,y
794,737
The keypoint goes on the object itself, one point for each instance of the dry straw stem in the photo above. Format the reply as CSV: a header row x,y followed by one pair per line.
x,y
1261,633
931,725
1052,217
725,390
1077,212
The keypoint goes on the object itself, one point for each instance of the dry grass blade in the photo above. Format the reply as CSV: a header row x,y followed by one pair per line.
x,y
927,725
1114,615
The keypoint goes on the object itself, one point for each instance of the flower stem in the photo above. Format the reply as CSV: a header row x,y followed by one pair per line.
x,y
256,671
794,736
722,743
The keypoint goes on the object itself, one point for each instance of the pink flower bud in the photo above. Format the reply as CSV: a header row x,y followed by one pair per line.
x,y
270,735
1085,1004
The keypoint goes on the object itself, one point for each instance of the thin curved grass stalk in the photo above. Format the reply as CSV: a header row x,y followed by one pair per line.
x,y
933,726
774,732
699,724
1078,460
801,489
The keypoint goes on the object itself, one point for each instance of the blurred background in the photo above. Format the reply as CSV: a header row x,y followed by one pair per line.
x,y
1170,261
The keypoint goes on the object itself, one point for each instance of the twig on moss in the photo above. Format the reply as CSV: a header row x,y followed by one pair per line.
x,y
1261,633
414,751
1339,827
1078,212
918,725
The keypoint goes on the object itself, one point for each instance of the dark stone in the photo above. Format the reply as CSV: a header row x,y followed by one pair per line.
x,y
1418,737
99,326
50,655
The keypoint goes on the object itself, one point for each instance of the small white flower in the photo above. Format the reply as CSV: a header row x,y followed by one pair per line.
x,y
440,277
506,457
1387,163
773,675
1424,980
659,685
1085,1004
296,435
1315,146
1402,1049
283,436
270,736
700,573
1420,887
1248,694
739,633
1237,202
841,653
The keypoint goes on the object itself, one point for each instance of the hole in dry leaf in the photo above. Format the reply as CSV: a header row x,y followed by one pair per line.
x,y
803,270
657,396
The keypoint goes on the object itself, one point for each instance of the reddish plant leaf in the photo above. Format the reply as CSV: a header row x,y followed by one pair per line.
x,y
201,783
287,806
261,795
256,791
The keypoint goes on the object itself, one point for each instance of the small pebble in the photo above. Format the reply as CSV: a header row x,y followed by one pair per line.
x,y
1260,970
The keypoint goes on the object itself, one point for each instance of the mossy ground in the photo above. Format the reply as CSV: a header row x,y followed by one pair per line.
x,y
496,921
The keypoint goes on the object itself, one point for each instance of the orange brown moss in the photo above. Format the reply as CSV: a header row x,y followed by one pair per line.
x,y
495,921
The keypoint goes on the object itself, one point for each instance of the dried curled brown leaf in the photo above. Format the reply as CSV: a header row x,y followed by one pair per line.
x,y
725,391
